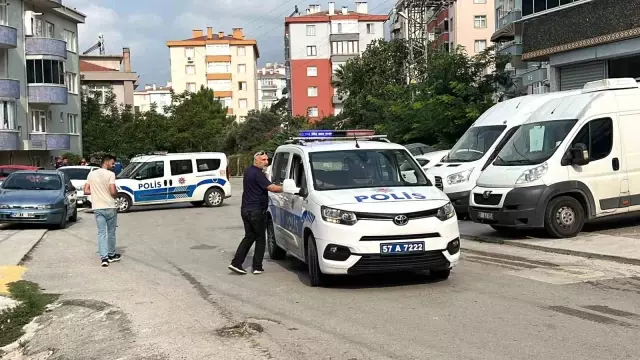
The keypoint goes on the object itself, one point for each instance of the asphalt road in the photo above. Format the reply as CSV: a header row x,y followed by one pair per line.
x,y
172,296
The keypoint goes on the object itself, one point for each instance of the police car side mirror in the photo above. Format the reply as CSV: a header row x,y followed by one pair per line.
x,y
289,187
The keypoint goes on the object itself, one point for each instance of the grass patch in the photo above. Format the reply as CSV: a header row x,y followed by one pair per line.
x,y
32,304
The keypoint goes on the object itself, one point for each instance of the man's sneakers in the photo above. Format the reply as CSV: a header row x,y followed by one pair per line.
x,y
237,269
257,271
111,258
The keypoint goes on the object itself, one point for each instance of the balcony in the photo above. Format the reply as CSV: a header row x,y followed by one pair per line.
x,y
46,46
269,86
337,99
514,48
46,4
9,140
344,37
534,76
50,94
50,141
8,37
509,18
342,57
9,88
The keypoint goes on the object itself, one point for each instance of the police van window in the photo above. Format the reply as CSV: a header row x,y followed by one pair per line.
x,y
279,172
207,164
181,167
150,170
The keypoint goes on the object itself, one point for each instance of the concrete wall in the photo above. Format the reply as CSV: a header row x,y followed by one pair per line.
x,y
179,78
366,39
251,93
465,33
300,41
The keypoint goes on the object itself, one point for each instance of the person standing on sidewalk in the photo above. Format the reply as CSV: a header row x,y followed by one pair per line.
x,y
253,210
101,185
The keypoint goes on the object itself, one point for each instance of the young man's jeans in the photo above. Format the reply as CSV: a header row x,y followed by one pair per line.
x,y
107,220
254,231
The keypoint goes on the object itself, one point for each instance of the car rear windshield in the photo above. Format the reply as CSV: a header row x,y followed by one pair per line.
x,y
32,181
76,174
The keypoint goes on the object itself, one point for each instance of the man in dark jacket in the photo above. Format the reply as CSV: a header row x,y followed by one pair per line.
x,y
255,200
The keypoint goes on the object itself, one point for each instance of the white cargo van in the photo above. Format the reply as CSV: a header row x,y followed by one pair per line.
x,y
457,173
576,158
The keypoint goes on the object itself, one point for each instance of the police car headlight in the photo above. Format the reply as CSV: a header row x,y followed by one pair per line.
x,y
338,216
446,212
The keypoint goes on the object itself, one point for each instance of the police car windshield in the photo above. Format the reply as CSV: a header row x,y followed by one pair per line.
x,y
130,170
356,169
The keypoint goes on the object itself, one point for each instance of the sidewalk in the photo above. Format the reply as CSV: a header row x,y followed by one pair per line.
x,y
16,243
587,244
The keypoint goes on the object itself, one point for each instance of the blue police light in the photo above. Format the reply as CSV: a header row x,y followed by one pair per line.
x,y
334,133
316,133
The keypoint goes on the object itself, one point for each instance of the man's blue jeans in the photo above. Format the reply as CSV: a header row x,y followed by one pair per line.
x,y
107,220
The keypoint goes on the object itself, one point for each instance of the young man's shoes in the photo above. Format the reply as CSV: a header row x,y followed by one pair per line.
x,y
257,271
237,269
114,258
104,262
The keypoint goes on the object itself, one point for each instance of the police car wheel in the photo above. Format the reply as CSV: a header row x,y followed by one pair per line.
x,y
275,251
123,203
316,277
213,197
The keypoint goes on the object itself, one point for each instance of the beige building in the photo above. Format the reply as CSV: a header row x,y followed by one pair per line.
x,y
152,94
101,73
224,63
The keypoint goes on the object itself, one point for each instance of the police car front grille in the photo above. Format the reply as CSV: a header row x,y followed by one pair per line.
x,y
439,183
399,237
371,263
493,199
410,216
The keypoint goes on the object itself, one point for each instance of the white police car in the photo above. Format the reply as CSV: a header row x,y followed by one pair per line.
x,y
358,205
198,178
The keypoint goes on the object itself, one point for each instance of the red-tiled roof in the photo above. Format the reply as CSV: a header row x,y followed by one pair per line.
x,y
214,37
87,66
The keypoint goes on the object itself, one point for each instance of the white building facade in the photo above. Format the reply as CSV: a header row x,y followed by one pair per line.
x,y
272,81
152,94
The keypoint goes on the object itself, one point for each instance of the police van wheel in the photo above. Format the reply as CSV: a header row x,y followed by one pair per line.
x,y
213,197
275,251
564,217
123,203
316,277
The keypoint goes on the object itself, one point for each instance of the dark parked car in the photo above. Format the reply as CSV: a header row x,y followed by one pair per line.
x,y
38,197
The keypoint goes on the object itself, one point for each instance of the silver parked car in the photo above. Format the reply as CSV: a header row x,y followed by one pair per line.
x,y
38,197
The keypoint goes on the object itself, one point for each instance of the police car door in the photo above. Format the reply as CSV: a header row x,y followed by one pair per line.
x,y
278,202
150,183
297,203
181,180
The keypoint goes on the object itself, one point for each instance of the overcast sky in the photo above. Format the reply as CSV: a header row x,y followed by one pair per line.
x,y
145,26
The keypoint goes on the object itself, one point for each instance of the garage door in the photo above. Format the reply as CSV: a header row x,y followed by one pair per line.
x,y
575,76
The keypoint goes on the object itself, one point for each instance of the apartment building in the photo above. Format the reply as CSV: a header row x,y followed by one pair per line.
x,y
467,23
580,40
39,82
152,94
316,44
226,64
103,73
272,82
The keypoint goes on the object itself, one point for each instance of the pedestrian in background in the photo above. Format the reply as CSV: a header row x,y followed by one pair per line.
x,y
101,185
255,200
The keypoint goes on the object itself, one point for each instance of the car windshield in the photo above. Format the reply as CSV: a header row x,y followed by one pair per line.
x,y
32,181
534,143
423,162
131,169
352,169
474,143
76,173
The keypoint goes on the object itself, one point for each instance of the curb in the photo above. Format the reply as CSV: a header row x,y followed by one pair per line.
x,y
584,254
27,255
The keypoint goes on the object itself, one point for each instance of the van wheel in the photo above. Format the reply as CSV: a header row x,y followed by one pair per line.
x,y
564,217
123,203
316,277
213,197
275,251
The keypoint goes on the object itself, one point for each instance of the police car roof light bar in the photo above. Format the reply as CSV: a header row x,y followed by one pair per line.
x,y
303,140
335,133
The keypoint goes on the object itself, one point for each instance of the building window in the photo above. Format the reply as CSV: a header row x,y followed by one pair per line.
x,y
190,69
101,91
480,21
312,112
218,49
45,72
43,29
226,101
480,45
312,91
530,7
312,51
191,86
479,1
38,121
242,50
190,52
345,47
339,28
242,85
219,85
242,103
4,12
311,30
371,29
72,83
71,40
8,115
267,82
72,120
242,69
312,71
219,67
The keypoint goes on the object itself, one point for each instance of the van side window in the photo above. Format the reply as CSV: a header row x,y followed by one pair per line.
x,y
181,167
597,135
297,172
208,164
151,170
279,169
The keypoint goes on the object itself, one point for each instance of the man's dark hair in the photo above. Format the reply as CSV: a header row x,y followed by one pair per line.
x,y
107,157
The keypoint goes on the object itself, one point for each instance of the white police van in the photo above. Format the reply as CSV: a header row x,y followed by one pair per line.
x,y
198,178
354,203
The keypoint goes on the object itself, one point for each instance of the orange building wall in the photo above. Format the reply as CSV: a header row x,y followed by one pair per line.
x,y
300,101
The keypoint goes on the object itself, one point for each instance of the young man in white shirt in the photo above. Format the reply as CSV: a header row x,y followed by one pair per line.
x,y
101,185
